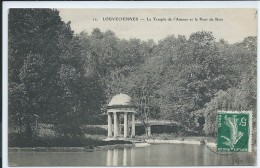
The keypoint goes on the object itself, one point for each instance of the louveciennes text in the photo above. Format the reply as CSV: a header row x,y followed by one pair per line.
x,y
120,19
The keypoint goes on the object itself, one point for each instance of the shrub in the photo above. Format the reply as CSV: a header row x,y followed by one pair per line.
x,y
94,130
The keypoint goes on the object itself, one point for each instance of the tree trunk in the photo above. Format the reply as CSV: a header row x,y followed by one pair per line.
x,y
29,135
146,132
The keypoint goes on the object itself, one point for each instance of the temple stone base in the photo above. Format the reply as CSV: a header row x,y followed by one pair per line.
x,y
110,139
121,139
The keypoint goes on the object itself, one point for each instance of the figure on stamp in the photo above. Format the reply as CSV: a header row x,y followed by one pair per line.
x,y
235,135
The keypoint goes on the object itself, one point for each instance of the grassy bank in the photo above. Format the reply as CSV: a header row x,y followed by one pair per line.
x,y
86,142
90,141
177,137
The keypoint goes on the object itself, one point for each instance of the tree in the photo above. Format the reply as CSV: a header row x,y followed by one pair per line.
x,y
192,71
57,77
241,96
81,93
141,85
36,39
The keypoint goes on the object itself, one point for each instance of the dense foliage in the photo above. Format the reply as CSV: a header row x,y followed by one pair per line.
x,y
51,79
64,79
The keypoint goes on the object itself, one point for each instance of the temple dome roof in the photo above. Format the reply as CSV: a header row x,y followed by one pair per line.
x,y
120,100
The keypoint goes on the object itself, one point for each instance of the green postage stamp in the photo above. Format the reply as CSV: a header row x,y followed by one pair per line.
x,y
234,131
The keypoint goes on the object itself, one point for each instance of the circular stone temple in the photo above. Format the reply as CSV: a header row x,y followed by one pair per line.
x,y
121,104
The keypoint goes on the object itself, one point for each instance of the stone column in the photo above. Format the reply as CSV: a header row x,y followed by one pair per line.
x,y
133,125
118,126
109,125
115,125
125,125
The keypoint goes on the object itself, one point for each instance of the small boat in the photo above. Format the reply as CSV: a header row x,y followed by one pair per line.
x,y
203,142
88,150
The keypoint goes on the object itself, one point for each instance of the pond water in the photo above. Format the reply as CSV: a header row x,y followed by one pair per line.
x,y
153,155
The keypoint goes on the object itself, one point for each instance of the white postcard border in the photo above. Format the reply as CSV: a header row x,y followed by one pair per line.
x,y
103,5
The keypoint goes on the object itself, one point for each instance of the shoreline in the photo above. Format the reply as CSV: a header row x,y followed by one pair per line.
x,y
82,149
66,149
192,142
49,149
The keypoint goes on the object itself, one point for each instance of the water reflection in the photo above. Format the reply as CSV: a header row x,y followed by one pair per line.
x,y
174,155
132,156
204,151
125,157
154,155
109,157
116,157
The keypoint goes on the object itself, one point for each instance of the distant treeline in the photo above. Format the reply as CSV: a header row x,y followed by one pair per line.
x,y
64,79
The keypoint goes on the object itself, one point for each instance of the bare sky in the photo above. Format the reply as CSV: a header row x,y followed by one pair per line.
x,y
235,26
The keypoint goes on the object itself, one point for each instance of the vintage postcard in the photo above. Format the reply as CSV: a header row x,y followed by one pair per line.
x,y
132,87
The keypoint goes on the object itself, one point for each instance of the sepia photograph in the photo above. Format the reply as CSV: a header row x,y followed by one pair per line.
x,y
132,87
